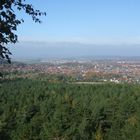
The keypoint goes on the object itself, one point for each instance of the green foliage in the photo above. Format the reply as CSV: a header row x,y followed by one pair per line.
x,y
39,110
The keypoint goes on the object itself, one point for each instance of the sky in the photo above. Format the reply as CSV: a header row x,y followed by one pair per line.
x,y
81,23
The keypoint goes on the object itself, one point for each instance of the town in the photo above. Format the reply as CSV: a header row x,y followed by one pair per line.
x,y
117,70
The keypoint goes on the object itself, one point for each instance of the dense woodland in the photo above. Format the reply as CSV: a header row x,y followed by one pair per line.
x,y
41,110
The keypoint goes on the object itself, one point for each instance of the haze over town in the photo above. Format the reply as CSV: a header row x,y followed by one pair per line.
x,y
37,50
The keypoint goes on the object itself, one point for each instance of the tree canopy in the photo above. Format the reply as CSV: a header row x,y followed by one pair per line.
x,y
9,22
39,109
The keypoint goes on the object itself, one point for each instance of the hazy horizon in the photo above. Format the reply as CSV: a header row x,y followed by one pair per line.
x,y
37,50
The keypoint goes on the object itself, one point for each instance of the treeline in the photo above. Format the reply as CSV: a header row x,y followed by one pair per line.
x,y
39,110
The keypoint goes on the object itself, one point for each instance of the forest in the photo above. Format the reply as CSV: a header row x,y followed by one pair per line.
x,y
34,109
